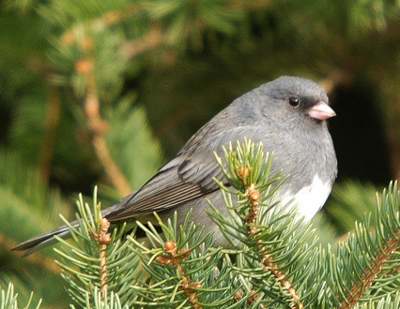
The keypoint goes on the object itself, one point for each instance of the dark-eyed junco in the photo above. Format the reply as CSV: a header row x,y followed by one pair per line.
x,y
288,115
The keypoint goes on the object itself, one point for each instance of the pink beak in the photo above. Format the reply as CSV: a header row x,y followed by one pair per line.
x,y
321,111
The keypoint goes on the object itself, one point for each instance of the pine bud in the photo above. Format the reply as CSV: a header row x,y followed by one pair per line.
x,y
170,247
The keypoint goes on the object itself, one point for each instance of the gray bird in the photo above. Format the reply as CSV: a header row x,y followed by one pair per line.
x,y
288,115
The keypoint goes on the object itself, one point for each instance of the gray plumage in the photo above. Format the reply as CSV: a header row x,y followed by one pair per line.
x,y
301,146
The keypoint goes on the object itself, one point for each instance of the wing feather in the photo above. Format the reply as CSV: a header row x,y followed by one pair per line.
x,y
186,178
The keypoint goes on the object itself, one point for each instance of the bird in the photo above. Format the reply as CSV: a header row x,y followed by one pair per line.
x,y
288,115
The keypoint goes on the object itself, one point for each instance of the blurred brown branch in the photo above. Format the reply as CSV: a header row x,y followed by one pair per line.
x,y
154,37
98,128
150,40
96,124
108,19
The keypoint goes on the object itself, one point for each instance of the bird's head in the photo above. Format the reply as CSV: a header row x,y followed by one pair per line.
x,y
297,99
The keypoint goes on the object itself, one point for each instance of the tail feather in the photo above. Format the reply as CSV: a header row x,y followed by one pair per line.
x,y
44,240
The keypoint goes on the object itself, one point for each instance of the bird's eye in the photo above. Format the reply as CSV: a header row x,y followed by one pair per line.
x,y
294,101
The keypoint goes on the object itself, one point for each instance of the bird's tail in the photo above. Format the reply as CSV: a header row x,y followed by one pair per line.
x,y
44,240
31,245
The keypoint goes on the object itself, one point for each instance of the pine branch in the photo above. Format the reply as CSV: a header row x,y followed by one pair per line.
x,y
183,268
270,235
104,239
277,266
391,301
108,19
25,199
254,198
174,257
96,124
96,260
369,258
9,299
152,39
98,301
371,273
129,129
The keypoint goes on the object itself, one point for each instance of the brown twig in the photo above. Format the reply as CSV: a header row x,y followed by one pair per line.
x,y
104,239
154,37
238,296
108,19
96,124
51,123
85,67
130,49
113,17
370,273
35,259
284,282
150,40
174,257
112,170
253,196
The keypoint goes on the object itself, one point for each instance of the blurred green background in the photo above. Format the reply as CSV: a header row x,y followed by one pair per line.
x,y
103,92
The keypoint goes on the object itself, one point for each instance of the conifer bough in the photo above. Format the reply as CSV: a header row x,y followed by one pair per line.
x,y
274,262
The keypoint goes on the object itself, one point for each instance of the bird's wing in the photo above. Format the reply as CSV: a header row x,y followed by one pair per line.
x,y
185,178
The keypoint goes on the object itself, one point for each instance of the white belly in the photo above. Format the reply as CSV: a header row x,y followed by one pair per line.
x,y
309,199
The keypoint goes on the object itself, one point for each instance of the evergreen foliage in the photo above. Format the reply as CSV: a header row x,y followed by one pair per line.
x,y
275,261
9,299
93,253
91,90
